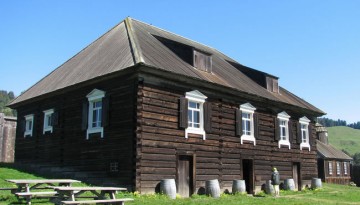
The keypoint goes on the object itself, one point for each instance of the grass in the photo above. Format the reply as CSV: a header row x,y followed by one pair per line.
x,y
329,194
345,138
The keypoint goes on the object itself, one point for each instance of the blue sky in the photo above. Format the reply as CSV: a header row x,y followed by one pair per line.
x,y
312,46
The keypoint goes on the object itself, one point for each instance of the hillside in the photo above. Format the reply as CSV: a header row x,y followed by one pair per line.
x,y
345,138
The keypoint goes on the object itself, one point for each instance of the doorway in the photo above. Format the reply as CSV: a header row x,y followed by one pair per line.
x,y
248,174
297,175
185,175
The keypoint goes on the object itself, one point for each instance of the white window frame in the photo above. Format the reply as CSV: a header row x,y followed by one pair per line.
x,y
330,168
283,116
93,97
338,168
29,118
345,168
248,109
47,127
197,97
304,121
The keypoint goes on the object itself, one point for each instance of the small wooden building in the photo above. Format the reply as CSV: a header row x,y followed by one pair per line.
x,y
141,104
7,138
333,164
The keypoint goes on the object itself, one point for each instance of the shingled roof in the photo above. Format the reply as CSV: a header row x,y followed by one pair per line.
x,y
327,151
132,42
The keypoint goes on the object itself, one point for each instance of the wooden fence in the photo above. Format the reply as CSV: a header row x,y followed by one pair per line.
x,y
7,138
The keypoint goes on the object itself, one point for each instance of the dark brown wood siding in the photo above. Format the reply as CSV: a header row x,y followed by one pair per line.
x,y
336,178
220,155
68,146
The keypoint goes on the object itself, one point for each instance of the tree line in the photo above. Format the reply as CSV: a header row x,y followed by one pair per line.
x,y
331,123
5,98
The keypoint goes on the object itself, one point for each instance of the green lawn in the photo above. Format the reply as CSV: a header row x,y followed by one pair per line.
x,y
345,138
330,194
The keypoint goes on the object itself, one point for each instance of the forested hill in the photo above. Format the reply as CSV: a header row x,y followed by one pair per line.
x,y
5,98
331,123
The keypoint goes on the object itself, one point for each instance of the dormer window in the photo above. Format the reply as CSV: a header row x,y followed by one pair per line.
x,y
272,84
202,61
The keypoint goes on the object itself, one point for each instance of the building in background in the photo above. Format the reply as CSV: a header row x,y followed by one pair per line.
x,y
333,164
7,138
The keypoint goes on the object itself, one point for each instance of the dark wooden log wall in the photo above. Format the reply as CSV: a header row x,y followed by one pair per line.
x,y
159,141
68,146
355,174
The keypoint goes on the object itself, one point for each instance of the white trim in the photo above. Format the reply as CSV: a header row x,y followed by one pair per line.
x,y
95,130
197,97
30,131
94,96
249,109
47,128
305,121
285,117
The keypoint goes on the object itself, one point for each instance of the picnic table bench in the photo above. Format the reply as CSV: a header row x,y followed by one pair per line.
x,y
25,187
71,193
102,201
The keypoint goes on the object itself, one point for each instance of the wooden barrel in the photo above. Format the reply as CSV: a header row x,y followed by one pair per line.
x,y
168,187
289,184
269,188
238,186
212,188
316,183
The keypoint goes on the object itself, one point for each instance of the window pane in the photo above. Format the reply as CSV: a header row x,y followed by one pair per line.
x,y
94,118
304,136
245,115
196,116
49,117
244,127
30,125
99,117
283,133
246,123
192,104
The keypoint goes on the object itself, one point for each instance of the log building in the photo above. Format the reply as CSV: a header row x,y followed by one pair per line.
x,y
334,166
141,104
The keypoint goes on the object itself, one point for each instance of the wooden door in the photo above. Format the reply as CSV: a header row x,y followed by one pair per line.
x,y
248,174
297,175
185,175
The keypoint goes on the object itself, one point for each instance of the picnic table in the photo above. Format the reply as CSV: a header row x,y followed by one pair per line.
x,y
73,193
26,187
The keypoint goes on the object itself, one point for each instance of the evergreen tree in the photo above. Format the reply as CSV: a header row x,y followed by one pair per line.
x,y
6,98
